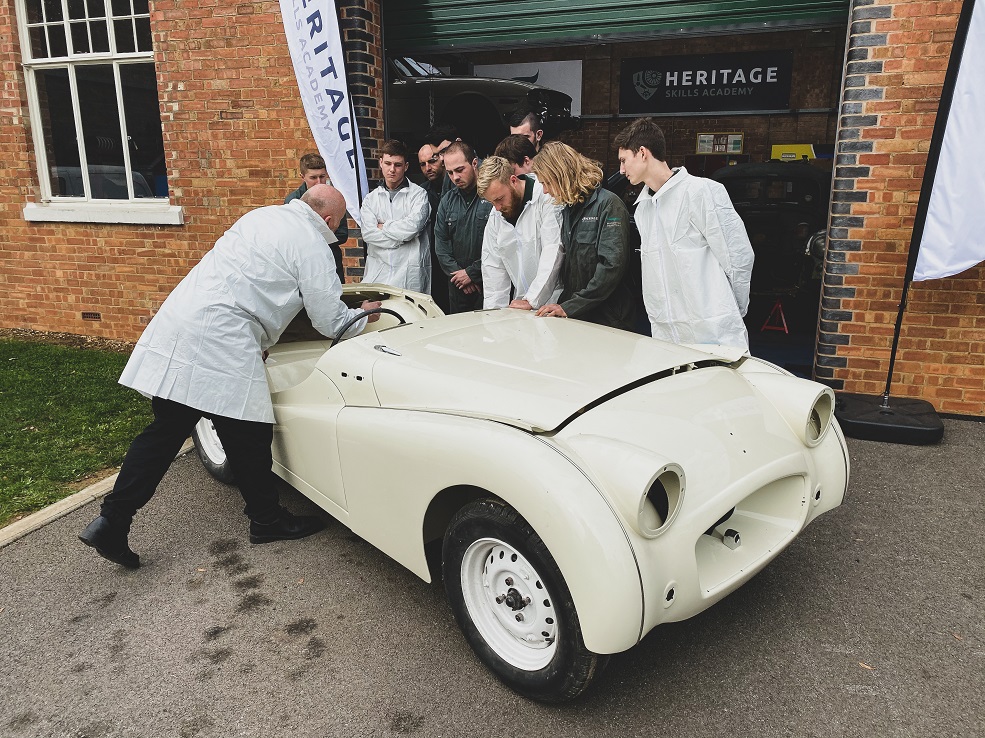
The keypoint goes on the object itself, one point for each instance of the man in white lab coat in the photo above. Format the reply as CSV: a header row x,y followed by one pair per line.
x,y
521,246
394,223
696,256
202,356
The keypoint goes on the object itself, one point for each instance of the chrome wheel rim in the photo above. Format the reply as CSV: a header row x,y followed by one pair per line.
x,y
509,604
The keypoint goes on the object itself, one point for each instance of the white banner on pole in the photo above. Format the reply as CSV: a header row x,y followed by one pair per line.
x,y
312,28
954,235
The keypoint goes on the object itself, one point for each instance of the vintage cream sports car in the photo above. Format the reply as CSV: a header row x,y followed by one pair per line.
x,y
585,484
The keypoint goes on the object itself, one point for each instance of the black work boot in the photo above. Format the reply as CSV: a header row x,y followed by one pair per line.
x,y
110,541
286,527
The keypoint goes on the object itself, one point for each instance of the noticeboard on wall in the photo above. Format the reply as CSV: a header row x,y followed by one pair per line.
x,y
751,81
719,143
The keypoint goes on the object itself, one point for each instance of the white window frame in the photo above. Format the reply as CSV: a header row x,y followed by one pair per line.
x,y
85,209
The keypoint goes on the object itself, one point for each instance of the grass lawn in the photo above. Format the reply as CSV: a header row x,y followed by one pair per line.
x,y
63,418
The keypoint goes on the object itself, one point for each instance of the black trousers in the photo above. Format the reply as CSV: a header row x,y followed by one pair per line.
x,y
247,447
459,302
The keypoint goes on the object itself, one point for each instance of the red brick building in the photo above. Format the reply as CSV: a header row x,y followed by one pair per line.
x,y
232,129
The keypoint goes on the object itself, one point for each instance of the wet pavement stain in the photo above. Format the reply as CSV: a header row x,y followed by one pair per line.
x,y
23,720
253,602
405,722
117,645
223,546
193,728
214,632
251,582
93,730
300,627
218,655
233,564
315,648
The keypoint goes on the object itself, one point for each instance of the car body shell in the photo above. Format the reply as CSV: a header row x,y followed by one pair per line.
x,y
477,106
394,430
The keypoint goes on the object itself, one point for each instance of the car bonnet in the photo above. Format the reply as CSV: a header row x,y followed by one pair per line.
x,y
510,366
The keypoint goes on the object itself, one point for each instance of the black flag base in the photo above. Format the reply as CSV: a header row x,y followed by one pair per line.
x,y
905,420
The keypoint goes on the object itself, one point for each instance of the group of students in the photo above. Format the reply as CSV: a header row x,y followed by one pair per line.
x,y
532,227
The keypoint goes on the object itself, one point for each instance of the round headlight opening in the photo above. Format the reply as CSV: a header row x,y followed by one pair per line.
x,y
820,417
660,504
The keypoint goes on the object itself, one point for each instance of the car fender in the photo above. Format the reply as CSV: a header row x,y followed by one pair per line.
x,y
427,453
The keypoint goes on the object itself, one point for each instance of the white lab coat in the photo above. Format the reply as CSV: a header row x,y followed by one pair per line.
x,y
399,253
697,262
203,348
527,256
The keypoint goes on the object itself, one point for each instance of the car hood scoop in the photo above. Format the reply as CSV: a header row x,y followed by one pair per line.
x,y
512,367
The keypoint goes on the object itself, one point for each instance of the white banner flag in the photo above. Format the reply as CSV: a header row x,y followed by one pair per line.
x,y
312,28
954,234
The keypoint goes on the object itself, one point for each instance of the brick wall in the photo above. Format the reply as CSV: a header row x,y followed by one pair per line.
x,y
234,129
897,58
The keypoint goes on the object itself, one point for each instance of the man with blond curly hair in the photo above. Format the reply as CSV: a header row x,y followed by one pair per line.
x,y
595,238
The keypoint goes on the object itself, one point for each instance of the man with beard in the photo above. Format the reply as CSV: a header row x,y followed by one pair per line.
x,y
459,227
521,247
433,169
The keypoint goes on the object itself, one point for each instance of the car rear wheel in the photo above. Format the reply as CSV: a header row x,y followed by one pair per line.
x,y
211,452
512,604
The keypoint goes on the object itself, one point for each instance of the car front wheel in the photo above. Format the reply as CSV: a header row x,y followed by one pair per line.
x,y
211,452
512,604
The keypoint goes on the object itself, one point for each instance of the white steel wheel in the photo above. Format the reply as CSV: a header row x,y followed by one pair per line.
x,y
509,604
513,605
211,452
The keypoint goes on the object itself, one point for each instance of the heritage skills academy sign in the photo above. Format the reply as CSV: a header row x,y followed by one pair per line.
x,y
752,81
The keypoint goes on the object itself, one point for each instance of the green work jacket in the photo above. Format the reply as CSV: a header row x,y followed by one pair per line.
x,y
595,236
458,229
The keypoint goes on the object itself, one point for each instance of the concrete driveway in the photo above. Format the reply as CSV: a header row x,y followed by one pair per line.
x,y
870,624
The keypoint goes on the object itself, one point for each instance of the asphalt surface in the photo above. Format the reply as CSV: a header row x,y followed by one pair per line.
x,y
869,624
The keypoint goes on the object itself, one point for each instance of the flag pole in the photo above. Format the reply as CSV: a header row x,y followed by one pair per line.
x,y
930,175
908,420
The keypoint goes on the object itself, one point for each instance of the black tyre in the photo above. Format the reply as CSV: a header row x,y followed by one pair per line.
x,y
512,604
210,451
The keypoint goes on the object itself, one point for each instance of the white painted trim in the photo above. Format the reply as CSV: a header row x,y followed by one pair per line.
x,y
50,212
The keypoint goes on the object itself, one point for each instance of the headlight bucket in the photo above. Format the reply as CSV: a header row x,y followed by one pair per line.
x,y
661,501
806,406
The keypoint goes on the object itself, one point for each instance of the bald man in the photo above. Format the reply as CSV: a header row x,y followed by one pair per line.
x,y
201,357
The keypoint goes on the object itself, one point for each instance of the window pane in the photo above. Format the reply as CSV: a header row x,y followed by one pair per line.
x,y
143,34
97,9
58,130
140,7
100,35
39,47
76,9
143,116
53,10
121,7
80,38
123,30
56,41
33,9
101,131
